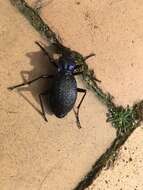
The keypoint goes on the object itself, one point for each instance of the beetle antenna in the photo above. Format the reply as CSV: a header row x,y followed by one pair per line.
x,y
88,56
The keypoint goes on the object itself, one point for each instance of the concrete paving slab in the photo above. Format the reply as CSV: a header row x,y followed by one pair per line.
x,y
35,154
127,171
111,29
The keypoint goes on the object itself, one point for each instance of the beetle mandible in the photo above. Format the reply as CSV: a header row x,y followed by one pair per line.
x,y
63,93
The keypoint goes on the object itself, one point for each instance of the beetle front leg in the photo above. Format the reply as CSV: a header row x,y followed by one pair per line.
x,y
77,113
42,105
46,53
31,81
78,73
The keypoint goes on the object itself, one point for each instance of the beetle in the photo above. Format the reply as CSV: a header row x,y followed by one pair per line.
x,y
63,92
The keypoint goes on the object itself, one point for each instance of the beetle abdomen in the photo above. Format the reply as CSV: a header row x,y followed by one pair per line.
x,y
63,94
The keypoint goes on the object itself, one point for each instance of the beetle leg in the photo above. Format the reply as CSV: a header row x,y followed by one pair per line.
x,y
77,113
42,105
46,53
81,72
88,56
94,78
31,81
78,73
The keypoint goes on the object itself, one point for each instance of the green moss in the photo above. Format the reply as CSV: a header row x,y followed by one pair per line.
x,y
123,119
36,21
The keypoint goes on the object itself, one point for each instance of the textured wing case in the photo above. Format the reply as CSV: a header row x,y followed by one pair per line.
x,y
63,94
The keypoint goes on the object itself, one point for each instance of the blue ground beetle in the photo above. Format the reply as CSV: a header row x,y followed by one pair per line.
x,y
63,92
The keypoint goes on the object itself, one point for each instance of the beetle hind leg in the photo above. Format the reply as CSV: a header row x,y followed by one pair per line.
x,y
42,105
78,107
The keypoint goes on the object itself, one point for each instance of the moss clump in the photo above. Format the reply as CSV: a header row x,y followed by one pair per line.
x,y
123,119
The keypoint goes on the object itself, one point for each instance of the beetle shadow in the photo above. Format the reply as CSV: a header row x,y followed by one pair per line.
x,y
41,65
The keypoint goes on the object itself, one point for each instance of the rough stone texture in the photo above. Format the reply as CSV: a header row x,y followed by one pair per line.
x,y
35,154
112,29
127,172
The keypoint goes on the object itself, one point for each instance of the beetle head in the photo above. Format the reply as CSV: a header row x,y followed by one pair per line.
x,y
66,63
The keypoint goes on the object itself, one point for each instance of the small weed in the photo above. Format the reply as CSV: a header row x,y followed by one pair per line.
x,y
123,119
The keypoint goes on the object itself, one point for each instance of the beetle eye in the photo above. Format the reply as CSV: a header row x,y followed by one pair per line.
x,y
71,67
